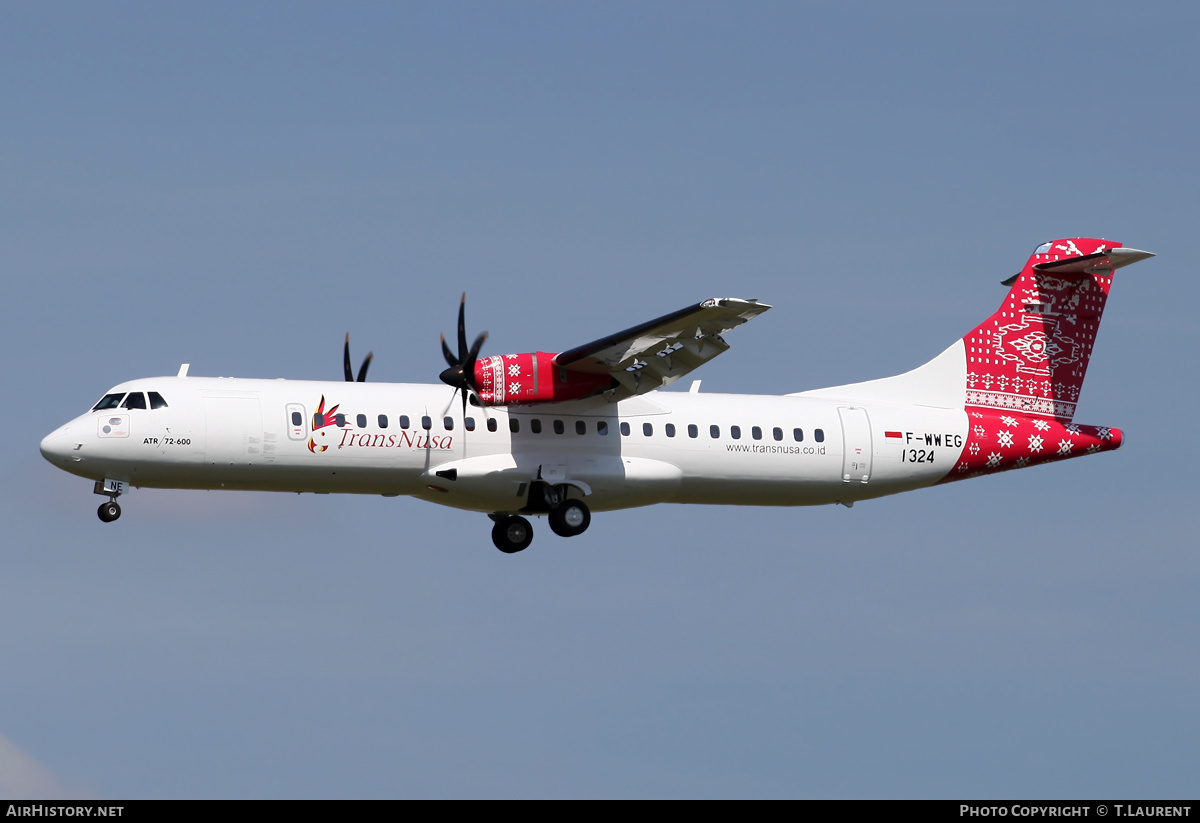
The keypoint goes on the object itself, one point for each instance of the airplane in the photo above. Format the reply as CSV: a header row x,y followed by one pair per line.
x,y
565,434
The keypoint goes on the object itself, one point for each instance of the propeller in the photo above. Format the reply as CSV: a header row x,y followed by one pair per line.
x,y
461,374
362,372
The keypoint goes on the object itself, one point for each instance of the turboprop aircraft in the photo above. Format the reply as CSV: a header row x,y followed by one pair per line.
x,y
563,435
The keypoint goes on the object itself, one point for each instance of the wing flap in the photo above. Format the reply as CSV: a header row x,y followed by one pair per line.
x,y
660,351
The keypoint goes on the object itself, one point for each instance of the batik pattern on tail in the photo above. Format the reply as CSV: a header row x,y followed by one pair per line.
x,y
1026,364
1031,356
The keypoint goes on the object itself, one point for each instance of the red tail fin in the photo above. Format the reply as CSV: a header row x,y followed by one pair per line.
x,y
1031,355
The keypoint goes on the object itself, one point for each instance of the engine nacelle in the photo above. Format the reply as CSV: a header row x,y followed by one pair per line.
x,y
532,377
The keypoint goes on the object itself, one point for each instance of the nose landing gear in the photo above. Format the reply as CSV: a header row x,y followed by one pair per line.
x,y
112,489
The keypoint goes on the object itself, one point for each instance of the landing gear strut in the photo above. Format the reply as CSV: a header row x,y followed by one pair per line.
x,y
512,534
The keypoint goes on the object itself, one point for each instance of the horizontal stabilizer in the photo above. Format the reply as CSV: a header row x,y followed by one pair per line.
x,y
1102,262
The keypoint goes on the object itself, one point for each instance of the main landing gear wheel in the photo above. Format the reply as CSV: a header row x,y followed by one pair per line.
x,y
512,534
569,518
109,511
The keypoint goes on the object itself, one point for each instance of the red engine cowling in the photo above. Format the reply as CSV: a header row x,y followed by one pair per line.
x,y
522,379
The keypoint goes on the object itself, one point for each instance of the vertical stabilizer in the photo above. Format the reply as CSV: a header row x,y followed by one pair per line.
x,y
1031,355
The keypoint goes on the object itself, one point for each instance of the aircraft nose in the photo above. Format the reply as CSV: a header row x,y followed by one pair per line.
x,y
58,445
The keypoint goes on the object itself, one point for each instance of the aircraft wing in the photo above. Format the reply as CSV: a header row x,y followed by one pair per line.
x,y
660,351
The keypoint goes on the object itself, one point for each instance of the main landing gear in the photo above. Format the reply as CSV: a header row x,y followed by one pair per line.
x,y
513,533
569,518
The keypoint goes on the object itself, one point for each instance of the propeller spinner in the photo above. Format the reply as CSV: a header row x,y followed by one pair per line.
x,y
461,374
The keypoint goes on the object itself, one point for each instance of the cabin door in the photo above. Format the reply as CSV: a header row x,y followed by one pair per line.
x,y
856,444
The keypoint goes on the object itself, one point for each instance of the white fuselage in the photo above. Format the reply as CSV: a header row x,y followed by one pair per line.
x,y
227,433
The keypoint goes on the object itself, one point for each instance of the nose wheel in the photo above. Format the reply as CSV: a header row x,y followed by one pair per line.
x,y
108,512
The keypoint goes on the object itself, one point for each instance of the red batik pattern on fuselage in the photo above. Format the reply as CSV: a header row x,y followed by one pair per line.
x,y
997,442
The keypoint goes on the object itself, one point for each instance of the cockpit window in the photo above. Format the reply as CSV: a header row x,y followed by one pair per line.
x,y
135,400
157,402
109,401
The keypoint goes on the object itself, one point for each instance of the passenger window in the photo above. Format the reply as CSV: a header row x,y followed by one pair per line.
x,y
777,433
340,419
601,427
735,432
648,429
157,402
714,432
135,400
108,401
798,435
535,425
692,430
670,427
404,421
819,435
361,420
383,421
297,419
514,425
558,427
448,423
492,424
469,424
756,433
580,427
426,422
625,429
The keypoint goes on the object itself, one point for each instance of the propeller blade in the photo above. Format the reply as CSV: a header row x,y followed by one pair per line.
x,y
473,355
346,360
449,355
362,372
462,328
478,402
461,371
449,403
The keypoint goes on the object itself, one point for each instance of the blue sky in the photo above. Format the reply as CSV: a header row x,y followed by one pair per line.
x,y
237,186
